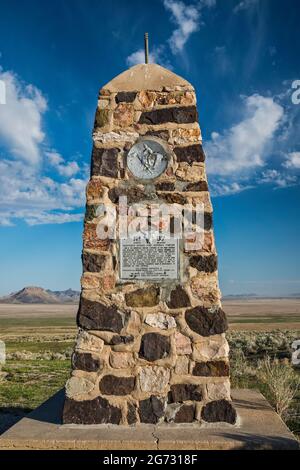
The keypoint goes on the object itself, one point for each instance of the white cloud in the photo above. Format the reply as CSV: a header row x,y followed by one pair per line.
x,y
275,177
21,119
26,192
292,160
244,146
225,188
186,18
155,56
64,169
21,187
244,5
40,218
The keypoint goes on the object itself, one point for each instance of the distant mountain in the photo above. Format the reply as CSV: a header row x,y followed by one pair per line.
x,y
65,296
38,295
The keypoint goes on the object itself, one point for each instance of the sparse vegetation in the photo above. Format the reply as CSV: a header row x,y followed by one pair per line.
x,y
38,364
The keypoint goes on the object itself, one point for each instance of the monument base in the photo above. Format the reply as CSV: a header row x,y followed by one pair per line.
x,y
259,427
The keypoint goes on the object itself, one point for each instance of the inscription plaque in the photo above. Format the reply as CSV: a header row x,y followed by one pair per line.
x,y
156,258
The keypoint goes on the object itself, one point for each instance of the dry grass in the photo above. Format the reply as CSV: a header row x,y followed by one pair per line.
x,y
281,382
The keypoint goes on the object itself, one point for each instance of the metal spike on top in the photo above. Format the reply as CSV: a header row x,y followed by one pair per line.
x,y
146,48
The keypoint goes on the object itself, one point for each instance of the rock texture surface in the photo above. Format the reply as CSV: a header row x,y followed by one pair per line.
x,y
149,351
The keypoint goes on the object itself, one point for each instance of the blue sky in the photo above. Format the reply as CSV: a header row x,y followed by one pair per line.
x,y
242,56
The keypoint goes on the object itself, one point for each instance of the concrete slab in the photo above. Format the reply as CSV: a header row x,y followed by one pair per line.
x,y
145,77
259,427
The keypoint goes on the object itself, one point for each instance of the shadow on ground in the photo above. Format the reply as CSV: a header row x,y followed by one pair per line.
x,y
11,415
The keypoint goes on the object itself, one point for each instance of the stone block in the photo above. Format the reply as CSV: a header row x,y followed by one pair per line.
x,y
116,385
219,411
179,115
190,154
211,369
205,321
154,346
97,411
148,297
151,410
97,316
154,379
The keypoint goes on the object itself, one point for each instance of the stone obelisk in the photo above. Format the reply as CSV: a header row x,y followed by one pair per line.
x,y
151,343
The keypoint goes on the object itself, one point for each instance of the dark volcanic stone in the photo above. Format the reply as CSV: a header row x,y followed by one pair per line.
x,y
208,220
193,219
151,410
184,392
174,198
207,264
115,340
97,411
219,411
85,361
185,414
211,369
165,186
105,162
198,186
164,135
131,414
93,263
96,316
143,297
133,194
154,346
190,154
180,115
90,211
206,322
113,385
125,96
178,298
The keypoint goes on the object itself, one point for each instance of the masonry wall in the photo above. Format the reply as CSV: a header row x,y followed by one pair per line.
x,y
148,352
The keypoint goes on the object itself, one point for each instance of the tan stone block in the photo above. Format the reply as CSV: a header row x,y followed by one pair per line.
x,y
153,379
147,98
103,117
89,281
94,189
134,323
206,288
103,102
115,137
199,242
182,344
124,115
213,348
182,365
202,199
107,282
160,320
218,391
89,342
77,387
91,240
190,173
181,136
121,360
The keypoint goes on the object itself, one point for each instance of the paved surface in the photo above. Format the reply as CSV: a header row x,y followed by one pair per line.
x,y
259,427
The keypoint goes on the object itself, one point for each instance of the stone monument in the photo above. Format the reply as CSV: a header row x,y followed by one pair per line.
x,y
151,343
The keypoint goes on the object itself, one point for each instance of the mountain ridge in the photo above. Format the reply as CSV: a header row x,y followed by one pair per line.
x,y
39,295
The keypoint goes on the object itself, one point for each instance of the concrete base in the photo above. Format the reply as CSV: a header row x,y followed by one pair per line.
x,y
259,427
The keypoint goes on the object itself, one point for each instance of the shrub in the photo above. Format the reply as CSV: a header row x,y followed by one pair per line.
x,y
281,383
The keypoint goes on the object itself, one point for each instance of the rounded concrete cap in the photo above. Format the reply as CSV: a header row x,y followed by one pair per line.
x,y
146,77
